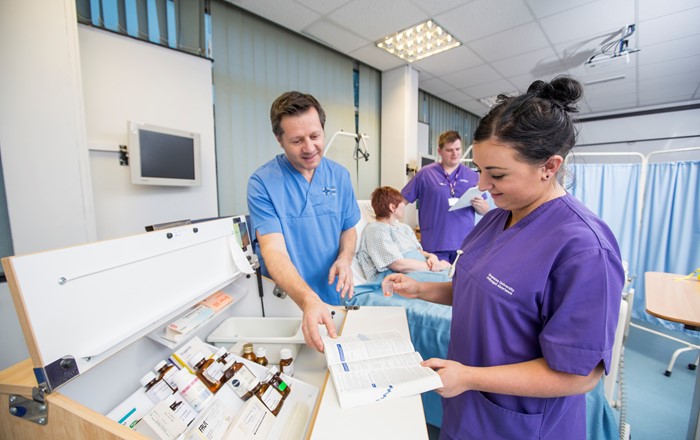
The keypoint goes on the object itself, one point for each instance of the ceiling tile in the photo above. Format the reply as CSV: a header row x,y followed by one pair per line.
x,y
490,89
285,13
526,38
669,27
471,77
335,36
671,67
655,8
474,107
545,62
434,86
680,48
668,88
322,7
510,43
450,61
604,105
592,20
454,96
480,18
379,59
435,7
375,19
545,8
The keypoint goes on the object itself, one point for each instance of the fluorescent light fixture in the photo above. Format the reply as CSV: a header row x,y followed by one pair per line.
x,y
604,80
419,41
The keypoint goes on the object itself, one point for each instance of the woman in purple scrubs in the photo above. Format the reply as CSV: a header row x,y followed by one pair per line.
x,y
537,289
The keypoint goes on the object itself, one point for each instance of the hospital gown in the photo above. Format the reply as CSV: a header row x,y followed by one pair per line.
x,y
382,244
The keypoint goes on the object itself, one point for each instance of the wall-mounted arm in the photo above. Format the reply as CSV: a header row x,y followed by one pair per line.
x,y
358,151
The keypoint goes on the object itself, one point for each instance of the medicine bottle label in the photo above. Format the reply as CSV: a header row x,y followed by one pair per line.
x,y
243,382
159,391
271,398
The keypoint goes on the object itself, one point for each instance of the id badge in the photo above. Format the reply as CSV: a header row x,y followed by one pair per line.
x,y
452,201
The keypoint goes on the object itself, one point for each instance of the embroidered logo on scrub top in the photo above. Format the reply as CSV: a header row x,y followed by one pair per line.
x,y
500,284
329,190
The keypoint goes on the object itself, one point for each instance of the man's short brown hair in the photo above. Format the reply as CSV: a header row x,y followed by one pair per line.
x,y
292,104
448,137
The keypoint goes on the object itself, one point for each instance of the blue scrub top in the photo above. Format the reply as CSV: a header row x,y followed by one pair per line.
x,y
440,228
310,215
548,287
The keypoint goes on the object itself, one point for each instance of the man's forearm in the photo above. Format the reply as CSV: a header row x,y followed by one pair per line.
x,y
283,271
346,250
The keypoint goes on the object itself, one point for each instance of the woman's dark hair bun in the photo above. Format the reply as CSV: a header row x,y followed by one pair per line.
x,y
562,91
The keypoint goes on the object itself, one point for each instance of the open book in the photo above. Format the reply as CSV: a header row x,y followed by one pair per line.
x,y
368,368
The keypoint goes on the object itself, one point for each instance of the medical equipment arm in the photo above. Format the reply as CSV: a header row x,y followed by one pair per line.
x,y
283,272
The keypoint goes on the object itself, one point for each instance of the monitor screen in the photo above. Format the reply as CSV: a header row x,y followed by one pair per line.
x,y
163,156
426,159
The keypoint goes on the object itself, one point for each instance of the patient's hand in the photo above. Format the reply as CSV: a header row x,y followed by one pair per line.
x,y
443,265
433,262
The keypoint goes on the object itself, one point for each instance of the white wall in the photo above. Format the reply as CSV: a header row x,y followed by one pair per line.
x,y
399,130
60,93
42,126
644,134
126,79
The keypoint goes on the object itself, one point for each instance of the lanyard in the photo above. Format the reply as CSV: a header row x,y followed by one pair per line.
x,y
452,184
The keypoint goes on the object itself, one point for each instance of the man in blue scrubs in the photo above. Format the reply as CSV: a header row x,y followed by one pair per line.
x,y
304,212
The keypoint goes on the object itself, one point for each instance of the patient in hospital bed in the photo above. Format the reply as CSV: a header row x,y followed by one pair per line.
x,y
429,326
389,245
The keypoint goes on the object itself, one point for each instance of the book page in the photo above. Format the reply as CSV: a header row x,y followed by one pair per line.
x,y
365,346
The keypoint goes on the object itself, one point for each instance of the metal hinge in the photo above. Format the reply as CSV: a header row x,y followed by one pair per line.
x,y
34,410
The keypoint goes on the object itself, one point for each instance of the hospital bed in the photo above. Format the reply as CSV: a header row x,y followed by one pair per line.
x,y
429,325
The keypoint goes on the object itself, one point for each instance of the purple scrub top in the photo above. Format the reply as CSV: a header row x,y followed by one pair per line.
x,y
548,287
440,229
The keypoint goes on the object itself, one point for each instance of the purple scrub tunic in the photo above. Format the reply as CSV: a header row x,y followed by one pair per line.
x,y
548,287
440,229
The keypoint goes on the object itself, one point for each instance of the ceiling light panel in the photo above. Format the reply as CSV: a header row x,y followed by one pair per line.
x,y
418,42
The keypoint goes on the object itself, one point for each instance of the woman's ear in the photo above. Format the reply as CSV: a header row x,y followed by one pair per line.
x,y
552,165
392,208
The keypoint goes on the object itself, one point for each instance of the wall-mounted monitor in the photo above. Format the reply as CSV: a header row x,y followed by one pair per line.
x,y
163,156
426,159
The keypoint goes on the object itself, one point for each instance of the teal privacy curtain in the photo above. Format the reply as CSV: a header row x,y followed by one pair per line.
x,y
670,239
665,237
612,191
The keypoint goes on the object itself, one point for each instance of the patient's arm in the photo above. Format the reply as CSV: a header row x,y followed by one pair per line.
x,y
404,265
283,272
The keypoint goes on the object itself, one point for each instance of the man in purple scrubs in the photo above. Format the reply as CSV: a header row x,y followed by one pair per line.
x,y
536,293
437,187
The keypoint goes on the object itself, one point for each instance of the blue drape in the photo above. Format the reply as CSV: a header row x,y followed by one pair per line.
x,y
666,237
612,192
670,238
